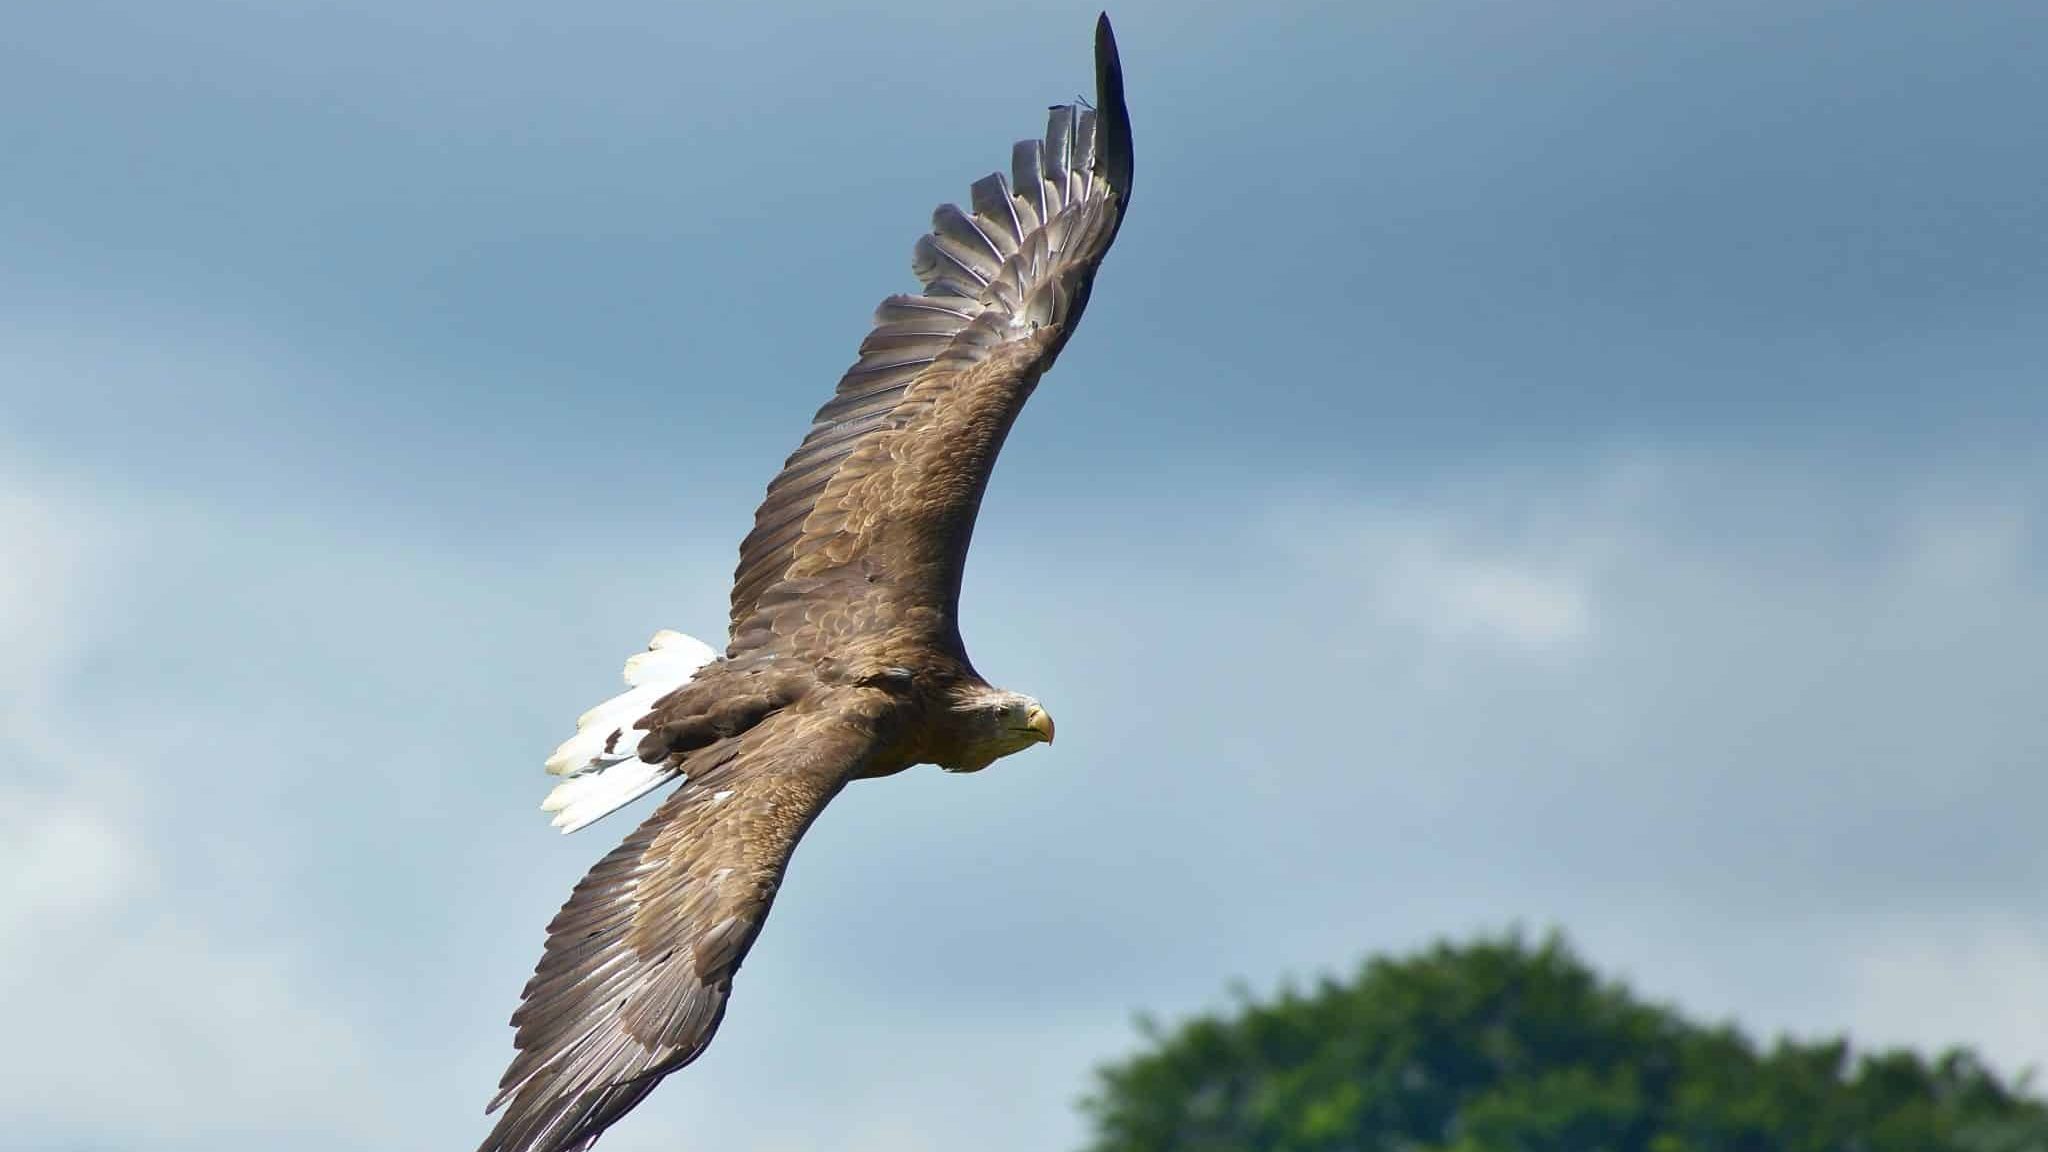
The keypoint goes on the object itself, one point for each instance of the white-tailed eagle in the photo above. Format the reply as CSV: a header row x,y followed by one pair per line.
x,y
844,659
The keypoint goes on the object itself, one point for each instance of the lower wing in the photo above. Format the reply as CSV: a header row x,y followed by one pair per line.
x,y
640,961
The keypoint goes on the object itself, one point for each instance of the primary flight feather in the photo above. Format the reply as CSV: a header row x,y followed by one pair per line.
x,y
844,659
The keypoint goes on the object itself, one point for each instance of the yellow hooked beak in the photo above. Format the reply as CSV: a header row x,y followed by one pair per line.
x,y
1037,720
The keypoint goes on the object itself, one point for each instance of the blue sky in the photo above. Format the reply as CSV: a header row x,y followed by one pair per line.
x,y
1523,463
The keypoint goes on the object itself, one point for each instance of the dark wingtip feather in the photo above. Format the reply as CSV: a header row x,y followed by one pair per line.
x,y
1113,124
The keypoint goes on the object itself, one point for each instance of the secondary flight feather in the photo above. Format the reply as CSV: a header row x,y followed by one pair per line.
x,y
844,659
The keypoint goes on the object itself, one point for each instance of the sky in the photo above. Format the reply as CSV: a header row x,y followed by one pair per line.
x,y
1567,465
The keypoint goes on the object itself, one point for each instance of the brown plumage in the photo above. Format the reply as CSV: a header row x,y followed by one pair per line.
x,y
845,659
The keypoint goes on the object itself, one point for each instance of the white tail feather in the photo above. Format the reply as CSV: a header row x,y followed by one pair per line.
x,y
583,800
604,772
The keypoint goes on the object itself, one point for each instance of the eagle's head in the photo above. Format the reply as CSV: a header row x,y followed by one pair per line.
x,y
991,724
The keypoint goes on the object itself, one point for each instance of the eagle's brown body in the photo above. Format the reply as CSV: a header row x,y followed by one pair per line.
x,y
845,660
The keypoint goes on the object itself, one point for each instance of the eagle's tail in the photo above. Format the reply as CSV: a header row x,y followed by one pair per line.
x,y
604,773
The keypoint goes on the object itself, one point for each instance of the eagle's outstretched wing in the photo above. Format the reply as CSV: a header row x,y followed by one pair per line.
x,y
640,961
867,526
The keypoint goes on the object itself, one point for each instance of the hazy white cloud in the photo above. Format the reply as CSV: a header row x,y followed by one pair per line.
x,y
206,1031
1963,545
43,543
1929,982
1508,563
62,862
147,1020
1459,593
1792,707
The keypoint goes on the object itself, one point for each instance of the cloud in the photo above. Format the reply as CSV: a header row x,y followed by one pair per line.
x,y
1790,770
1457,591
208,1028
1974,975
1961,546
1489,565
43,543
64,861
207,1032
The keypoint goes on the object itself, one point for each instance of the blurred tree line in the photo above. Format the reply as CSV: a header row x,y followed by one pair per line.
x,y
1505,1046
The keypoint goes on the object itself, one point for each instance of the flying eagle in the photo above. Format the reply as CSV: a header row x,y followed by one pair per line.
x,y
844,659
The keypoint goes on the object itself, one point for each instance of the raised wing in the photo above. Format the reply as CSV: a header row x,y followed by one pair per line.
x,y
640,961
868,523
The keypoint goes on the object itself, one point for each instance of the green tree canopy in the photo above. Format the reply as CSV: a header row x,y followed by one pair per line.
x,y
1503,1046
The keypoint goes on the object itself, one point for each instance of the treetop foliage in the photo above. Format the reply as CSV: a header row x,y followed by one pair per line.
x,y
1505,1046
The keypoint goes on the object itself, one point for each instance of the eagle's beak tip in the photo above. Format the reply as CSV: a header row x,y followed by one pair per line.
x,y
1041,723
